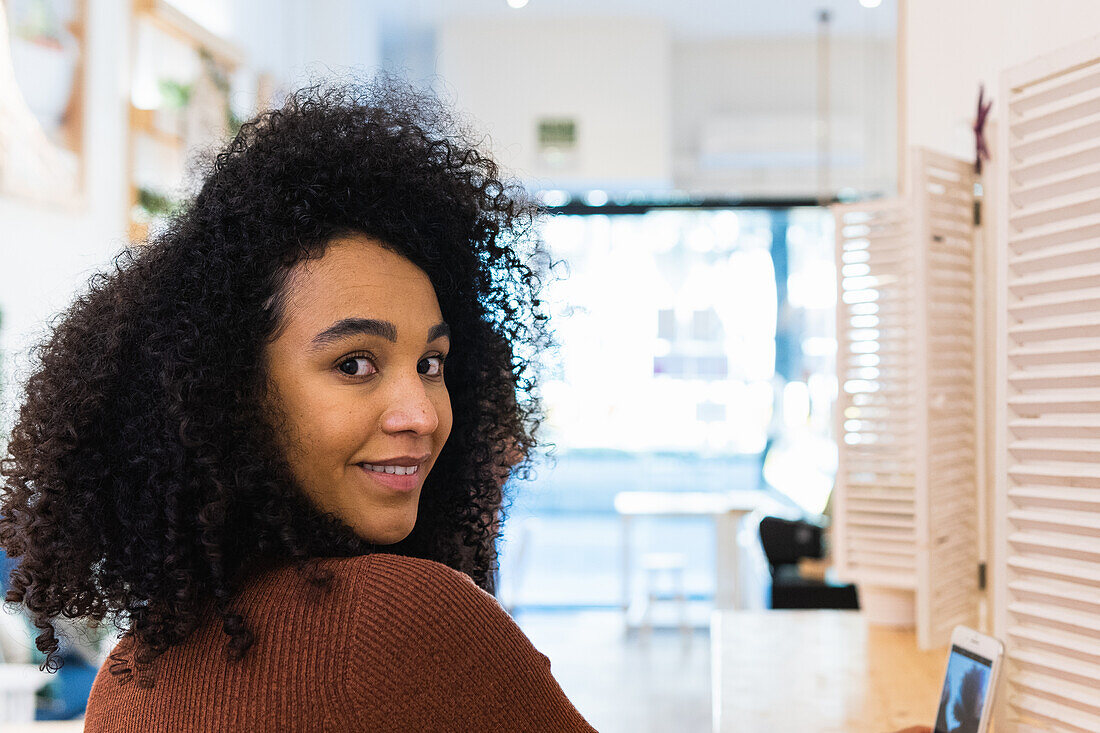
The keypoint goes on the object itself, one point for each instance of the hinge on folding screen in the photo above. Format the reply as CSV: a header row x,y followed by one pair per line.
x,y
981,576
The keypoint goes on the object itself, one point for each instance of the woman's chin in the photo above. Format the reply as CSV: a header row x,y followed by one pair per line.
x,y
390,534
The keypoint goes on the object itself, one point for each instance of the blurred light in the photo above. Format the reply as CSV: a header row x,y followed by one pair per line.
x,y
554,197
864,3
517,4
796,404
145,94
816,287
700,239
818,346
596,197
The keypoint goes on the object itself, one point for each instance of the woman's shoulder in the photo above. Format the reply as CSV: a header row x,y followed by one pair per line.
x,y
426,627
388,569
383,578
415,601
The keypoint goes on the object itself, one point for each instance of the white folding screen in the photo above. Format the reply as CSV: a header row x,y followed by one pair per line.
x,y
875,540
948,573
906,494
1047,518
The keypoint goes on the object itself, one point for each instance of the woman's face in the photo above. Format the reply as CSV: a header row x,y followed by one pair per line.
x,y
357,369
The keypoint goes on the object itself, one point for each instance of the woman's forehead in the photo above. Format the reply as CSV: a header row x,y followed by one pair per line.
x,y
358,278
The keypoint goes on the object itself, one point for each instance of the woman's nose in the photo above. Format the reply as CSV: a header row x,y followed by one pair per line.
x,y
410,408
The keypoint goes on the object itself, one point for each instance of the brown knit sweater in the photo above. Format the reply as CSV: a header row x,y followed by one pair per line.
x,y
399,644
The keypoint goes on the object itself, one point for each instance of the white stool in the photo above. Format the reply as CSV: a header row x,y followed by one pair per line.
x,y
18,683
674,565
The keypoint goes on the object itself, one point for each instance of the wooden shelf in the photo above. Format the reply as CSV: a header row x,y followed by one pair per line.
x,y
172,21
143,121
171,24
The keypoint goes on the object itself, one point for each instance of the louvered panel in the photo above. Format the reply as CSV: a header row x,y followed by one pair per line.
x,y
1042,402
959,423
1055,304
1066,111
905,500
881,561
1061,545
1068,694
1063,475
1047,170
1052,258
893,507
1054,212
1048,572
884,545
1074,498
947,592
1083,523
906,490
1055,233
1078,673
1056,328
1084,376
1060,642
1076,277
874,512
1077,353
883,534
899,521
1080,177
1067,82
1065,449
1047,710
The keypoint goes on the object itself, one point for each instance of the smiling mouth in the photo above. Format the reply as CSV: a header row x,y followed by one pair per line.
x,y
402,479
396,470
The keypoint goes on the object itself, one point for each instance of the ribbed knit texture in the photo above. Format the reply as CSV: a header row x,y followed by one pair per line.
x,y
399,644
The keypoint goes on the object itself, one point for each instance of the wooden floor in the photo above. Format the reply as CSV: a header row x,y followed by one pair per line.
x,y
626,684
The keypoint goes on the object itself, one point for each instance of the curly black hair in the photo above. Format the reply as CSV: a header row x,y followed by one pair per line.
x,y
143,483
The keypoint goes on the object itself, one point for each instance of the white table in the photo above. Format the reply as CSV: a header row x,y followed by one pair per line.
x,y
819,671
727,510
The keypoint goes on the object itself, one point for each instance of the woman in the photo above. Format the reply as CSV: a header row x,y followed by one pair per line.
x,y
242,445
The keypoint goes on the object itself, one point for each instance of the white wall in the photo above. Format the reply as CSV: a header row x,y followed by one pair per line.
x,y
745,110
611,75
46,254
296,40
952,46
722,117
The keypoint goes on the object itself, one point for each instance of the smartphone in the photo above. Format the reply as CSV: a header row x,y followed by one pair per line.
x,y
966,703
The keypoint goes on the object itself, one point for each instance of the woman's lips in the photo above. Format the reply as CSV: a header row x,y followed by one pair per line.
x,y
393,481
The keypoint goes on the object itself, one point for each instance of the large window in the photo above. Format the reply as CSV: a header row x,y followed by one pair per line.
x,y
697,350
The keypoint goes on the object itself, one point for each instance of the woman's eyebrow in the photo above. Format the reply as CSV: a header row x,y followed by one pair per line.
x,y
353,327
439,330
346,327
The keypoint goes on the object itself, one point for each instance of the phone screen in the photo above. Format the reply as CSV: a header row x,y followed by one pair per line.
x,y
964,691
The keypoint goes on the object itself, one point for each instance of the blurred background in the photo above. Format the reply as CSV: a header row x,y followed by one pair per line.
x,y
686,154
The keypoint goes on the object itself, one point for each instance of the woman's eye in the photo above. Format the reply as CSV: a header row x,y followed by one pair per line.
x,y
360,366
431,366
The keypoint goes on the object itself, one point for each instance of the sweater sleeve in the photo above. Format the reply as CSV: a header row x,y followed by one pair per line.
x,y
433,652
